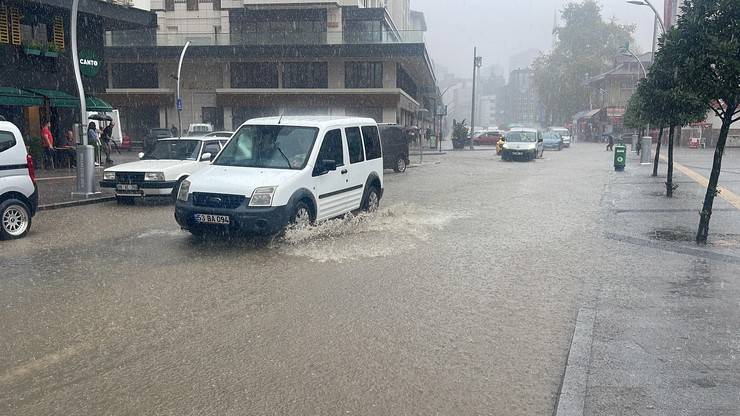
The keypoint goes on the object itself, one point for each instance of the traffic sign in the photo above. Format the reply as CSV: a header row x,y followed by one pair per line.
x,y
179,104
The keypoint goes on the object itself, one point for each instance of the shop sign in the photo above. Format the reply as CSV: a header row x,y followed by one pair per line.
x,y
89,63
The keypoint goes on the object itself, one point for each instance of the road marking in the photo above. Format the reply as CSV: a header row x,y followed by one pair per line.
x,y
43,362
724,193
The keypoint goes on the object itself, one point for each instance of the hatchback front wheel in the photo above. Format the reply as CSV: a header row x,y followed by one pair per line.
x,y
15,219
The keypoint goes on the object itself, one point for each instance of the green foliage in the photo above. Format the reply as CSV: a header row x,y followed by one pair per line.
x,y
635,116
459,130
586,46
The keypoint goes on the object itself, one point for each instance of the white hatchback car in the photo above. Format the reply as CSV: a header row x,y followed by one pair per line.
x,y
275,171
160,171
18,192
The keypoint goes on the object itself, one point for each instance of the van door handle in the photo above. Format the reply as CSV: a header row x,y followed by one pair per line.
x,y
344,171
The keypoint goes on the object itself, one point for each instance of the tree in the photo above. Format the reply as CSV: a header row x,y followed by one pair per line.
x,y
707,64
586,45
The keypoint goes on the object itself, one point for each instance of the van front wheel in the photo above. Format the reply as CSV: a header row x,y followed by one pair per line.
x,y
301,216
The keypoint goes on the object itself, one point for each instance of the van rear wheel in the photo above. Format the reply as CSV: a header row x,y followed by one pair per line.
x,y
15,219
400,165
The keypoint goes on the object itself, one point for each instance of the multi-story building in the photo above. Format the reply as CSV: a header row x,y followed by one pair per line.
x,y
488,113
671,11
37,81
522,105
254,58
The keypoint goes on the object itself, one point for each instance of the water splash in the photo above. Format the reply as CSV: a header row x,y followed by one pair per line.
x,y
389,231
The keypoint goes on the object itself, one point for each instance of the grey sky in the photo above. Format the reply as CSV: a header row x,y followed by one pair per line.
x,y
501,28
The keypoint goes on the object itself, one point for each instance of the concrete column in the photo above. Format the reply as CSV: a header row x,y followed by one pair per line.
x,y
389,75
229,119
336,74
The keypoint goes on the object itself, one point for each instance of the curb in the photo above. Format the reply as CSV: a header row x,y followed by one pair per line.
x,y
69,204
429,154
572,395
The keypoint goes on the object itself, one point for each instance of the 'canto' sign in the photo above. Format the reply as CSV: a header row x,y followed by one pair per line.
x,y
89,63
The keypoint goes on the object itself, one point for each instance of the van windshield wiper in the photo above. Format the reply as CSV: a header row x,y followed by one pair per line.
x,y
290,165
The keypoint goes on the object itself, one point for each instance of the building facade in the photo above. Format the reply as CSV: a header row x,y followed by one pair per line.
x,y
257,58
522,104
37,80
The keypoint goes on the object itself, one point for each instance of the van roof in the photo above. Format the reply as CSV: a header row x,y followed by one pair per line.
x,y
311,121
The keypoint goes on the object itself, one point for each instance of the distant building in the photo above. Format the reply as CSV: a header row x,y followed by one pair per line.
x,y
251,58
488,111
522,105
671,11
523,60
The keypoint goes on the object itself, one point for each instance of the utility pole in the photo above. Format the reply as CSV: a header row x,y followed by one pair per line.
x,y
178,98
85,184
477,63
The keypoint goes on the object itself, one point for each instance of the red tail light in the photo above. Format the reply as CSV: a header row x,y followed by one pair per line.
x,y
31,170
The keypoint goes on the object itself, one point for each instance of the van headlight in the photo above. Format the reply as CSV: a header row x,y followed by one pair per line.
x,y
154,176
262,197
109,176
182,194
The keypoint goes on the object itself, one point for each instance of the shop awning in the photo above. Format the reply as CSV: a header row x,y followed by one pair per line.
x,y
17,97
96,104
64,100
57,98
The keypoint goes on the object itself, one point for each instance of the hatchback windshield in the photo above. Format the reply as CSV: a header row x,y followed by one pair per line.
x,y
175,149
521,136
278,147
551,137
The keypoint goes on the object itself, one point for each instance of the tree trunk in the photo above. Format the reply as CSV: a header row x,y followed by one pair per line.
x,y
657,153
706,212
669,178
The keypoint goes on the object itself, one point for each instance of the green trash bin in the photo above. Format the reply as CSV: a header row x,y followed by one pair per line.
x,y
620,157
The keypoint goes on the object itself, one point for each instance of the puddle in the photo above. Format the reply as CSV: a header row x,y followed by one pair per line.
x,y
697,283
389,231
689,235
165,233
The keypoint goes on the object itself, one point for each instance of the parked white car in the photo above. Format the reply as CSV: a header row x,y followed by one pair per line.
x,y
199,129
160,171
523,143
18,191
276,171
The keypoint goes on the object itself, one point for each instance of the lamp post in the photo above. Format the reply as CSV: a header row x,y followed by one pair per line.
x,y
657,15
178,98
477,63
85,183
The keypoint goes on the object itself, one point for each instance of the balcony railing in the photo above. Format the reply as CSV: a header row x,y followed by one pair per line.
x,y
142,38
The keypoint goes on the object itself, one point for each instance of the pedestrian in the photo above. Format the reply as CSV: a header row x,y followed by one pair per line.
x,y
47,142
610,142
174,131
107,138
93,139
639,147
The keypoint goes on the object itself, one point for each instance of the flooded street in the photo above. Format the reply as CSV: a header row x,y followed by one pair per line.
x,y
459,296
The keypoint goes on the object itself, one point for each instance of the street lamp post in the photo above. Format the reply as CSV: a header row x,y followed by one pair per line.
x,y
657,15
85,183
178,98
477,63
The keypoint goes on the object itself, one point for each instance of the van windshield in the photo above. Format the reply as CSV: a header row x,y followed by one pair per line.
x,y
521,136
276,147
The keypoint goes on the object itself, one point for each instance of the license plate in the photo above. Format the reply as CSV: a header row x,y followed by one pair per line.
x,y
212,219
127,187
517,153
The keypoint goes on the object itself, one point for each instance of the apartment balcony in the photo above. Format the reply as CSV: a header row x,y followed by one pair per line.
x,y
146,38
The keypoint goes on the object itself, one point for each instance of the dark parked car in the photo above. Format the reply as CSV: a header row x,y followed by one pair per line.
x,y
395,143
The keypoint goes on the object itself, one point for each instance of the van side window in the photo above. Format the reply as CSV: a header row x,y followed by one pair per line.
x,y
372,142
7,140
354,144
331,147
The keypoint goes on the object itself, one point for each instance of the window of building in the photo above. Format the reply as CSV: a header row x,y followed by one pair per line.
x,y
363,75
363,31
134,75
192,5
213,116
254,74
372,142
331,147
404,81
354,144
169,5
305,75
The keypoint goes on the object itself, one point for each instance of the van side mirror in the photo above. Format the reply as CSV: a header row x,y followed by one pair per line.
x,y
539,140
324,166
141,155
205,157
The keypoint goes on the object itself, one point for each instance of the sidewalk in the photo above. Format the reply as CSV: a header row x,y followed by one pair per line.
x,y
56,185
666,333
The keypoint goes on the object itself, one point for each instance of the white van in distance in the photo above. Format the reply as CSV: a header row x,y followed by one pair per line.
x,y
280,170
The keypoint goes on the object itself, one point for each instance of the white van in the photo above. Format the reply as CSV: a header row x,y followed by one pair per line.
x,y
280,170
18,192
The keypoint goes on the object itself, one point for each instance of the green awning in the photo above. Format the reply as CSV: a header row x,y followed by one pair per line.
x,y
57,98
96,104
17,97
62,99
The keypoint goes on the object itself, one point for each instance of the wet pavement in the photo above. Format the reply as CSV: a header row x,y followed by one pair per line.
x,y
459,297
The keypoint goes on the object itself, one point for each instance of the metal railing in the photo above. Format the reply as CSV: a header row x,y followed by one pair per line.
x,y
145,38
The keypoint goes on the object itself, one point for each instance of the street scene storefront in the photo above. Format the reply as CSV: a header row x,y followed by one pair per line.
x,y
37,77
